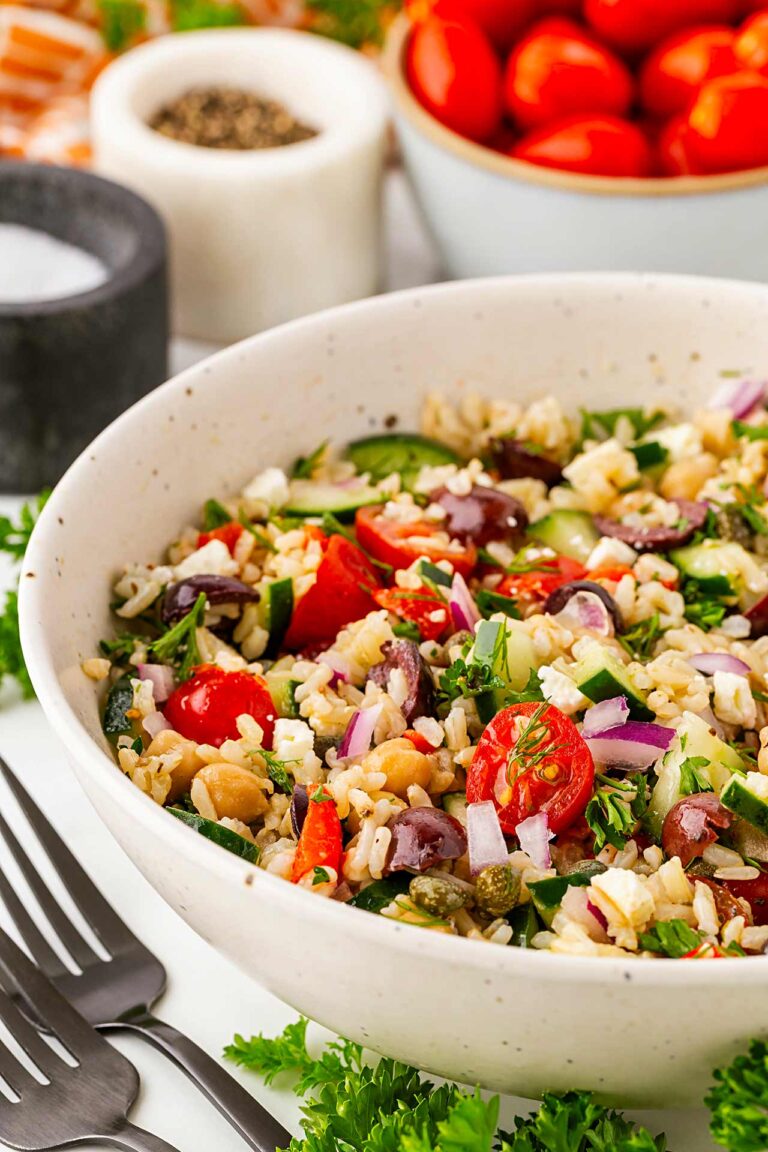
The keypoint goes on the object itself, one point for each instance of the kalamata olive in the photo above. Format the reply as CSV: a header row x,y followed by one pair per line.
x,y
692,517
726,904
692,824
482,515
299,807
423,838
758,618
515,461
404,655
558,600
180,598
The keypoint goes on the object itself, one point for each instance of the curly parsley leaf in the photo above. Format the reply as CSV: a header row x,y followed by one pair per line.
x,y
11,656
749,431
613,812
739,1102
466,680
691,778
469,1126
573,1122
14,535
672,938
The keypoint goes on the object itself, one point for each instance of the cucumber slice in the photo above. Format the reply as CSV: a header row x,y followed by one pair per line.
x,y
381,893
568,532
455,804
694,738
716,566
119,701
525,924
747,797
514,665
282,689
650,454
547,895
312,498
600,676
224,837
403,452
276,610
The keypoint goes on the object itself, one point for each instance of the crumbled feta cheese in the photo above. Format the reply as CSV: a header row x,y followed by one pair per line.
x,y
682,441
561,691
294,742
212,559
270,487
734,703
610,551
622,897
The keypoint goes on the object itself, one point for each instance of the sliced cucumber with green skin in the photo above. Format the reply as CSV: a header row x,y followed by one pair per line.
x,y
694,738
455,804
650,454
524,924
119,701
600,676
312,498
276,610
513,664
747,797
403,452
216,833
715,565
567,532
547,895
381,893
282,689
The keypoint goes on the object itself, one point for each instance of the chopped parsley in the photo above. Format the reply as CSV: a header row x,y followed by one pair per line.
x,y
704,609
466,680
638,641
749,431
601,425
739,1101
320,876
691,778
215,515
613,812
672,938
186,15
353,22
407,630
178,646
305,466
489,602
14,538
120,648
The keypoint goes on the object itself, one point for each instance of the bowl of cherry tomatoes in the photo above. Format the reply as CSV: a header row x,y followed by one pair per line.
x,y
587,134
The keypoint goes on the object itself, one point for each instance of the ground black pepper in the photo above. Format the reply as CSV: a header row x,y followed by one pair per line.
x,y
229,118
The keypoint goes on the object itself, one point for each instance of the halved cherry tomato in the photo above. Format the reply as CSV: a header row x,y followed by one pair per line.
x,y
728,123
390,541
320,842
558,70
673,152
676,69
422,607
454,72
342,592
229,534
755,892
612,572
420,743
501,20
751,46
206,707
636,25
593,145
532,759
537,585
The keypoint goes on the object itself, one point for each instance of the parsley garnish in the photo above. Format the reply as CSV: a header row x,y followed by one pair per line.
x,y
215,515
120,648
691,779
353,22
519,565
262,540
639,640
489,602
407,630
749,431
187,15
305,466
599,425
14,538
320,876
672,938
178,646
276,771
739,1101
612,813
703,608
466,680
121,22
320,796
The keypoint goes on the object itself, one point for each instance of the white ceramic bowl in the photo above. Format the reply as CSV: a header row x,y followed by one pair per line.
x,y
257,237
490,214
639,1032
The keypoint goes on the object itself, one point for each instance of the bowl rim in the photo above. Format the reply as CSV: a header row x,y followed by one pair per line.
x,y
511,169
96,763
149,257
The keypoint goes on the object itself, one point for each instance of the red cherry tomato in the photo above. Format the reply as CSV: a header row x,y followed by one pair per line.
x,y
560,7
673,151
532,759
342,593
320,842
502,21
453,71
420,743
728,123
637,25
751,46
392,542
755,891
206,707
229,534
422,607
539,584
557,70
674,72
594,145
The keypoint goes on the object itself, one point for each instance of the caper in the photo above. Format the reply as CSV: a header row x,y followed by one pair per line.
x,y
497,890
437,894
731,525
585,868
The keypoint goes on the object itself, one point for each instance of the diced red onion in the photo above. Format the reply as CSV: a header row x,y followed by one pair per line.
x,y
605,715
586,610
463,608
711,662
359,733
578,907
338,667
534,836
741,396
632,745
155,723
161,678
598,915
487,845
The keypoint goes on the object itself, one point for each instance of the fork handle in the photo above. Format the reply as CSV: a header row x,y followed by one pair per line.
x,y
252,1121
133,1139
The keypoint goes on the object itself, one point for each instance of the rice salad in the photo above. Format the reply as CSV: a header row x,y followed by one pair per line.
x,y
505,678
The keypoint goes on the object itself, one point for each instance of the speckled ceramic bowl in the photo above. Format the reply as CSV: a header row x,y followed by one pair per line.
x,y
640,1032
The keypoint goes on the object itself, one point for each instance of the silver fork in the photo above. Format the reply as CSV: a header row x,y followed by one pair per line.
x,y
117,994
68,1102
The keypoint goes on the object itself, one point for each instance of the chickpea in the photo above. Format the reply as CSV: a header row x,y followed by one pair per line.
x,y
190,764
683,479
402,764
231,791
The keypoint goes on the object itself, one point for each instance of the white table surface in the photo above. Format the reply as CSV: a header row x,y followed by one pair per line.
x,y
207,997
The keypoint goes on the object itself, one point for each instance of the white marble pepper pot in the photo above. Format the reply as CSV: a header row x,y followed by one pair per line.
x,y
257,237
